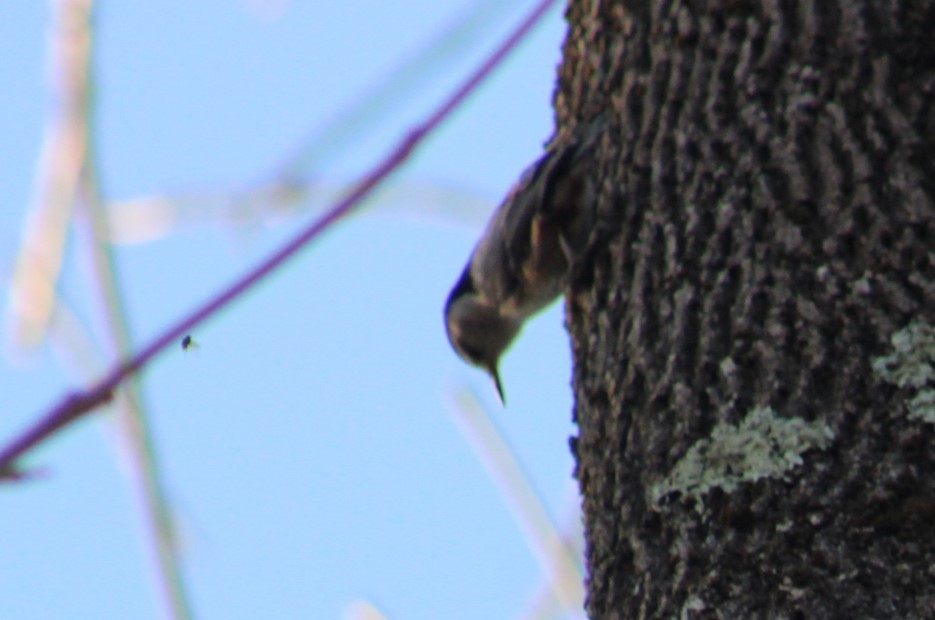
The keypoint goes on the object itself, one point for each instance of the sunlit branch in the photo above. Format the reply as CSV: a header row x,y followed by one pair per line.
x,y
297,179
556,557
37,267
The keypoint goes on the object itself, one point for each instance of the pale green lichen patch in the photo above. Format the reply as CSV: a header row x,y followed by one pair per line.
x,y
763,445
912,366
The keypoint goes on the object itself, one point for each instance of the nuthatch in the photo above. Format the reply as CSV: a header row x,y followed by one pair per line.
x,y
524,258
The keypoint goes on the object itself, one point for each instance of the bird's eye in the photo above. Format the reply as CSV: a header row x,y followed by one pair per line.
x,y
471,353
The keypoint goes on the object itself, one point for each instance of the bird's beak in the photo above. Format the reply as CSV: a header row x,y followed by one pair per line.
x,y
495,375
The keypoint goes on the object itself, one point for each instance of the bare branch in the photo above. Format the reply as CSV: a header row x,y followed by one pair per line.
x,y
75,405
556,556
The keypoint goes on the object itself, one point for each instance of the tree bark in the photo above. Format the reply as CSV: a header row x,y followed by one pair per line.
x,y
753,434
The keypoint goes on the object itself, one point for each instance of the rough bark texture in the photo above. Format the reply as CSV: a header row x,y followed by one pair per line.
x,y
766,225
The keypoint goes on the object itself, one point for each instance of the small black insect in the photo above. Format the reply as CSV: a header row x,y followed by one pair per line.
x,y
189,343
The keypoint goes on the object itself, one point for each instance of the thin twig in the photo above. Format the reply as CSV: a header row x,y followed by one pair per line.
x,y
75,405
67,175
388,94
296,178
130,400
555,555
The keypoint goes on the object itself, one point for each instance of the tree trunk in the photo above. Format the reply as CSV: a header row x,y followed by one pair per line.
x,y
750,326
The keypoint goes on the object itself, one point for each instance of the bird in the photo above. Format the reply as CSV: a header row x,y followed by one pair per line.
x,y
524,258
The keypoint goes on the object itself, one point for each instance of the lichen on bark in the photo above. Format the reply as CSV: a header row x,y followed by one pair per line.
x,y
762,445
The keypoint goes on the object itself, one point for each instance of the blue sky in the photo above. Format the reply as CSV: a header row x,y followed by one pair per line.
x,y
308,445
